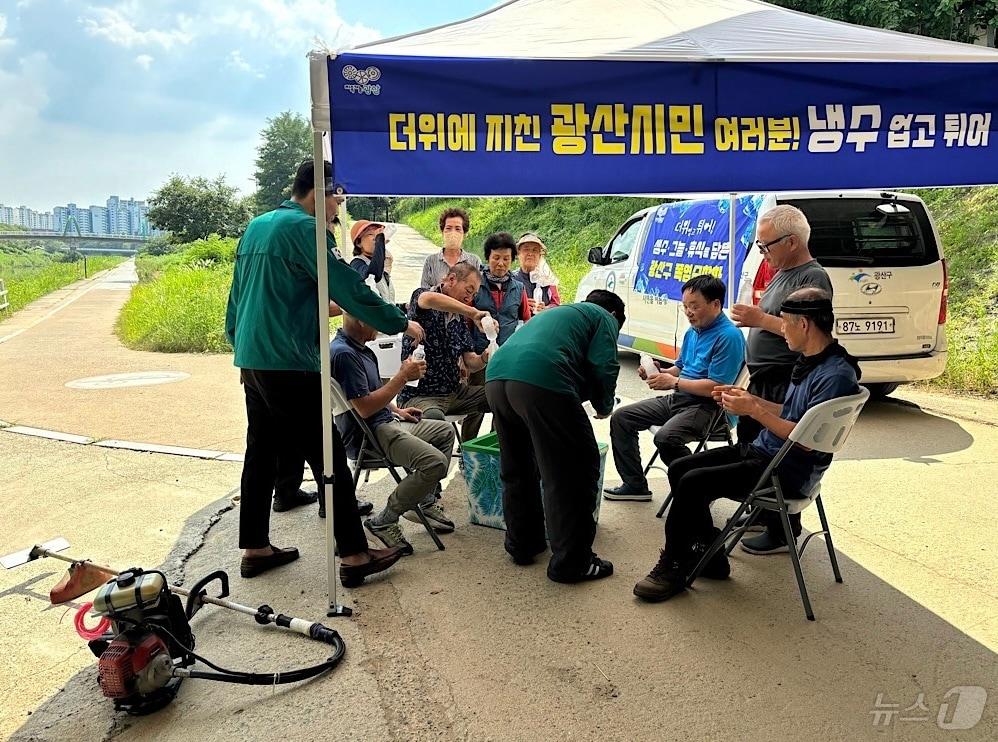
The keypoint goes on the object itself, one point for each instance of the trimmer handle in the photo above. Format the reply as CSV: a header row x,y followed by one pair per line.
x,y
194,601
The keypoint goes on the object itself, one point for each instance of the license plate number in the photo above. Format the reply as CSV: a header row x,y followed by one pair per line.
x,y
865,326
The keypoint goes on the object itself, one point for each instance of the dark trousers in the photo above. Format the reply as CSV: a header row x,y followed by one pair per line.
x,y
679,425
771,385
290,473
546,438
700,479
284,415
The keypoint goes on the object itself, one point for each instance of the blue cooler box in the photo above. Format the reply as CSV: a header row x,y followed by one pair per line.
x,y
481,474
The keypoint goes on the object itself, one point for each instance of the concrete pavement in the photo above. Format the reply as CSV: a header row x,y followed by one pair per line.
x,y
462,644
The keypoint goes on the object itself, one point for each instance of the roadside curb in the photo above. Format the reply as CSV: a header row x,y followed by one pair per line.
x,y
971,409
82,440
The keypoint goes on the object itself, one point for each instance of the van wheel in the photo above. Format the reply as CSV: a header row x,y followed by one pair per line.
x,y
879,391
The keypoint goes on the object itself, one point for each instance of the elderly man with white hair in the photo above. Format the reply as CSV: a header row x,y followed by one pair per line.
x,y
782,235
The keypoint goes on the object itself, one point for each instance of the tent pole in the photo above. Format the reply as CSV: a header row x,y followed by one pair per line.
x,y
322,268
732,291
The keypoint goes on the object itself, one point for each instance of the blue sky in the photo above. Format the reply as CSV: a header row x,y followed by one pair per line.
x,y
102,97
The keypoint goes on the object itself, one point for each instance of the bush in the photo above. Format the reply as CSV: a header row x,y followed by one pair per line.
x,y
214,250
179,311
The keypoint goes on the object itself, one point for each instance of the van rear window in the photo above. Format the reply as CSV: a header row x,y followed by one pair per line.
x,y
851,232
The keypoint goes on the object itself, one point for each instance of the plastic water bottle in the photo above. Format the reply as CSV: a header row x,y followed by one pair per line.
x,y
648,364
418,354
492,333
538,295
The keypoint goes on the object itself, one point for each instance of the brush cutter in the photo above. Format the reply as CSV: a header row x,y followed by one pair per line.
x,y
144,643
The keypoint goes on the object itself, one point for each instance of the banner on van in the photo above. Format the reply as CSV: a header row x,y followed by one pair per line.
x,y
421,126
691,238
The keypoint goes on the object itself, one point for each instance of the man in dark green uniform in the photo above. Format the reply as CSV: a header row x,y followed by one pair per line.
x,y
272,322
536,384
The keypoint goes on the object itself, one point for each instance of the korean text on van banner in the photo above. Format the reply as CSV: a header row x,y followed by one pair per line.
x,y
690,238
423,126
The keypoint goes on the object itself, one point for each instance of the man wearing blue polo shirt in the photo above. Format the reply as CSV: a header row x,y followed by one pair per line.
x,y
713,353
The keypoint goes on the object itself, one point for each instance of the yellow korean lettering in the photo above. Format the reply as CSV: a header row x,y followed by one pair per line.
x,y
402,131
568,129
686,120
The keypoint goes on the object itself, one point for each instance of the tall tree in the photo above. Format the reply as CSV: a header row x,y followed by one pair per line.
x,y
287,140
191,209
957,20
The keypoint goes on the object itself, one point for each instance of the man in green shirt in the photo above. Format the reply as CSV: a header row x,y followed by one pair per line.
x,y
536,384
272,322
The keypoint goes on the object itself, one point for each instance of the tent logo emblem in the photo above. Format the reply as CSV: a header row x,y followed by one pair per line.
x,y
362,80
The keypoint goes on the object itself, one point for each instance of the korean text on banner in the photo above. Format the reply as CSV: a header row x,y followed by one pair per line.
x,y
690,238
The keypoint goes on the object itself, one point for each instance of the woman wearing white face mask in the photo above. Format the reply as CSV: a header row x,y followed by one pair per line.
x,y
454,225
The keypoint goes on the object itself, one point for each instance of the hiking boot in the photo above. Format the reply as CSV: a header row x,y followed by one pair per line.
x,y
283,503
436,517
381,559
625,492
597,569
764,544
665,580
390,534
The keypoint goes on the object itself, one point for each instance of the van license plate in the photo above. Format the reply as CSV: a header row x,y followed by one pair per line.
x,y
865,326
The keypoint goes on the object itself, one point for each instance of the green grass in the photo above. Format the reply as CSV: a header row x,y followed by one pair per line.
x,y
568,226
30,276
179,303
968,223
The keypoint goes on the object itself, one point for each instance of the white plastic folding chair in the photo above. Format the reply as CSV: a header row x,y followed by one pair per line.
x,y
825,427
371,456
720,430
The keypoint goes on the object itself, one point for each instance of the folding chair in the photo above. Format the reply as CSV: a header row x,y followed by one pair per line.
x,y
720,430
825,427
371,456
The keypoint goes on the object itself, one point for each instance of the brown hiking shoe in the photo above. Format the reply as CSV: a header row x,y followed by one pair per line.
x,y
665,580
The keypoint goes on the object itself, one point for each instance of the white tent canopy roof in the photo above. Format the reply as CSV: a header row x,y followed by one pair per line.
x,y
668,30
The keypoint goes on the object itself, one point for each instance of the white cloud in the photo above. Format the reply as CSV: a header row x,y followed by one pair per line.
x,y
144,61
119,26
292,26
20,111
238,62
3,28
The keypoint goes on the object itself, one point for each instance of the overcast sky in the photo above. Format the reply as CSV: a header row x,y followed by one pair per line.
x,y
101,98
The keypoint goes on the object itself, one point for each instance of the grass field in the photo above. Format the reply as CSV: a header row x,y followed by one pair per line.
x,y
29,276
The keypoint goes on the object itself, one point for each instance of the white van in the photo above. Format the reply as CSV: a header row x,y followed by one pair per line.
x,y
881,250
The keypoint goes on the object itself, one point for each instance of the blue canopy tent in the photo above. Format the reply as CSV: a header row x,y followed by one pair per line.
x,y
647,97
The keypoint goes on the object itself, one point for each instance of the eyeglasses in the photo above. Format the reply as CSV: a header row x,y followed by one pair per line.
x,y
764,246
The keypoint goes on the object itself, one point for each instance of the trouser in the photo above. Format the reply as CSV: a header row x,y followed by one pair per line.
x,y
698,480
283,406
424,449
546,438
679,426
290,473
770,384
465,400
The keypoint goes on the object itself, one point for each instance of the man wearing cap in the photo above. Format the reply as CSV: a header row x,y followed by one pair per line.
x,y
534,271
823,371
454,225
273,325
